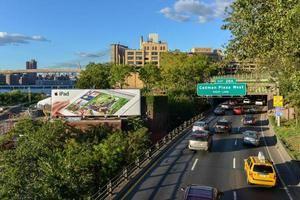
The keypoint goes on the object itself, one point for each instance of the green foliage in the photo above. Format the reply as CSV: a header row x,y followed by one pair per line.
x,y
150,75
268,31
17,97
119,73
180,71
94,76
54,161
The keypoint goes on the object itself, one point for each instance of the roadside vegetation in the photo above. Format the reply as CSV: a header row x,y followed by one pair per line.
x,y
289,134
51,160
267,31
17,97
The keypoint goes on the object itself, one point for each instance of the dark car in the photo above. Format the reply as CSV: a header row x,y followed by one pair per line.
x,y
199,192
219,111
223,126
249,120
251,110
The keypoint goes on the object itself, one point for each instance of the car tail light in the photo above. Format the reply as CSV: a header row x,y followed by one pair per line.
x,y
274,176
225,126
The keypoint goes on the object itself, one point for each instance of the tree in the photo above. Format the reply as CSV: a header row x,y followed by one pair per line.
x,y
180,71
94,76
119,73
268,31
150,75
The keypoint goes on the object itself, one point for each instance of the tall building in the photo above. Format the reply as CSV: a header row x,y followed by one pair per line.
x,y
29,78
214,54
118,53
31,64
149,51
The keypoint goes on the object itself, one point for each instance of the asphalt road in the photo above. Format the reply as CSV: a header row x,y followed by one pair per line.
x,y
221,168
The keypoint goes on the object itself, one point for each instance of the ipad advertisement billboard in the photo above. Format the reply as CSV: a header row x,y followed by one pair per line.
x,y
95,102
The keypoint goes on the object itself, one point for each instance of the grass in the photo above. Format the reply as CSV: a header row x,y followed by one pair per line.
x,y
289,134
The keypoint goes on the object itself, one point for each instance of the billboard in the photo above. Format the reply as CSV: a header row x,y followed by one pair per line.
x,y
95,102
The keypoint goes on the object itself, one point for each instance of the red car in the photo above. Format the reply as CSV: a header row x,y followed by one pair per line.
x,y
238,110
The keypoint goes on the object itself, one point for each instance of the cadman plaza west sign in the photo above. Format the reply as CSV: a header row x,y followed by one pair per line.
x,y
221,89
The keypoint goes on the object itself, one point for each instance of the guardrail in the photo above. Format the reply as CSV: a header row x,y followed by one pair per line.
x,y
117,183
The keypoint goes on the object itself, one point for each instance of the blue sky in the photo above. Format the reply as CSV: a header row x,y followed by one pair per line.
x,y
65,32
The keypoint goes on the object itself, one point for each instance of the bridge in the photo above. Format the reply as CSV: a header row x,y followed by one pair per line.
x,y
52,70
257,84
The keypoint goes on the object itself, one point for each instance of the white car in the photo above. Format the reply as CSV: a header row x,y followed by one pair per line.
x,y
259,102
200,125
246,101
200,140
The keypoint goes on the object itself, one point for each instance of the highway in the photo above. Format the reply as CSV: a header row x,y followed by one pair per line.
x,y
221,168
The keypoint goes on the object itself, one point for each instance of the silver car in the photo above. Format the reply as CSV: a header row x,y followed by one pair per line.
x,y
200,125
200,140
251,137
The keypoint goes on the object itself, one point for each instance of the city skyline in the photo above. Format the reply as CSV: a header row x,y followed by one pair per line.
x,y
66,33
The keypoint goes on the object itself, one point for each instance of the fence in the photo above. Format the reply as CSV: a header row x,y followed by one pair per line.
x,y
116,184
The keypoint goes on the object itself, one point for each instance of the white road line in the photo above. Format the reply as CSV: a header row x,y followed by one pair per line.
x,y
234,195
233,162
194,165
235,142
279,176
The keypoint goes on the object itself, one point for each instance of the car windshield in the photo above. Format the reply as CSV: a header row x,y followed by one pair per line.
x,y
222,123
252,134
265,169
249,118
199,194
199,137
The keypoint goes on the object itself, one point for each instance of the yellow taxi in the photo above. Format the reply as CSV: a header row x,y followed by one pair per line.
x,y
260,171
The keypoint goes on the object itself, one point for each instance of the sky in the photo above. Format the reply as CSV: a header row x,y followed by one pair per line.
x,y
65,33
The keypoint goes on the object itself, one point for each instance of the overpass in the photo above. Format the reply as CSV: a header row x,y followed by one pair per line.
x,y
52,70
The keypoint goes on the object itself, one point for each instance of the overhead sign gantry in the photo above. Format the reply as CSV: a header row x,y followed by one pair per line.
x,y
222,87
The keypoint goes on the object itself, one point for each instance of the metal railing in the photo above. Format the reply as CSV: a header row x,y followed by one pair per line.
x,y
117,183
261,77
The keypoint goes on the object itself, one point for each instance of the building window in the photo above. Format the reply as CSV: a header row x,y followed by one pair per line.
x,y
161,48
130,63
164,48
154,53
139,62
155,62
155,48
152,48
146,53
138,53
147,47
139,58
130,53
130,57
154,58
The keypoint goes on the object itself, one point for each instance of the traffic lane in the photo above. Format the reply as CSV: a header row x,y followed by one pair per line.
x,y
229,151
216,168
164,178
243,190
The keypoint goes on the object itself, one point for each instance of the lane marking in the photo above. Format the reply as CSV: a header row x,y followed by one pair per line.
x,y
233,161
279,176
234,195
194,164
235,142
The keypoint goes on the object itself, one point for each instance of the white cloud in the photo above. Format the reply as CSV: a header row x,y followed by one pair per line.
x,y
196,8
91,55
169,13
16,38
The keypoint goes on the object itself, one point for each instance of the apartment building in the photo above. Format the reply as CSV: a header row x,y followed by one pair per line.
x,y
149,51
214,54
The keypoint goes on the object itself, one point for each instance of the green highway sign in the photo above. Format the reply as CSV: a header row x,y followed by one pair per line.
x,y
221,89
226,80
